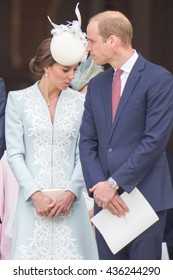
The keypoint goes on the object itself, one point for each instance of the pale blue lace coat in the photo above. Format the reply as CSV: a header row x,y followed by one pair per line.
x,y
45,155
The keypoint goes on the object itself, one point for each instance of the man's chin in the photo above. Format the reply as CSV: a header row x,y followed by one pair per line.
x,y
96,60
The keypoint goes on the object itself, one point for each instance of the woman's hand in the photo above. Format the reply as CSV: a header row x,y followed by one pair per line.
x,y
62,204
42,203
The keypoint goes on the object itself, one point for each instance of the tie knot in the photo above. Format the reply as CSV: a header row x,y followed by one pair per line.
x,y
118,73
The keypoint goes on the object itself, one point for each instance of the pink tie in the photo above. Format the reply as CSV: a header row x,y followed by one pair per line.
x,y
116,90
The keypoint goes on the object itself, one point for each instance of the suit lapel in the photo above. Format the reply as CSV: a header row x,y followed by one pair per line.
x,y
128,90
107,97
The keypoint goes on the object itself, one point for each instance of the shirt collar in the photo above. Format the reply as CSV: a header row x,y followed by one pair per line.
x,y
128,65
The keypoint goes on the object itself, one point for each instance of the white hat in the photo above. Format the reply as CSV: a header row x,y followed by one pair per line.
x,y
68,44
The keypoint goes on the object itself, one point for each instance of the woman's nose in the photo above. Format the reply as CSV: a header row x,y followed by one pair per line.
x,y
71,74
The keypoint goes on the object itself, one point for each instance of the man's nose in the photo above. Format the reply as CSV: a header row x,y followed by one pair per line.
x,y
88,47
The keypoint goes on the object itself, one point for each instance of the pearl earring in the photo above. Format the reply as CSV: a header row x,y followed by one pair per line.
x,y
46,74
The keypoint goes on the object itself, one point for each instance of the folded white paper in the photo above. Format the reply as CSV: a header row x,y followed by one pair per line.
x,y
119,231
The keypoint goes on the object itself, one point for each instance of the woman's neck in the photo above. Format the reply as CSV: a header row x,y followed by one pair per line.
x,y
49,93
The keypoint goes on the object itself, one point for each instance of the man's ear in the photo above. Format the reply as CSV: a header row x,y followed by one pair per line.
x,y
114,40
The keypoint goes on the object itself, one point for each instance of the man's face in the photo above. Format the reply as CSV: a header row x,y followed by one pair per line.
x,y
98,47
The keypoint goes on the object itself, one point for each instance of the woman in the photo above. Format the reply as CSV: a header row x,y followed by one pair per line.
x,y
42,133
8,184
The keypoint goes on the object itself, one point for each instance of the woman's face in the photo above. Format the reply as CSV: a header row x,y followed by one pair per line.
x,y
60,76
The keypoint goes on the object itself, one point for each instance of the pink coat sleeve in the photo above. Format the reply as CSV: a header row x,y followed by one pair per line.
x,y
8,198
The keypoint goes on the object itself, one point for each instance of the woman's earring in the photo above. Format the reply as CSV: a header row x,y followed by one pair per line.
x,y
46,74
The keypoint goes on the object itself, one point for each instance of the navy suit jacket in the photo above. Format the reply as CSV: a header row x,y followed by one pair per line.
x,y
3,98
132,149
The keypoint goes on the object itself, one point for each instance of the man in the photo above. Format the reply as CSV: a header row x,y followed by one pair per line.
x,y
2,116
121,152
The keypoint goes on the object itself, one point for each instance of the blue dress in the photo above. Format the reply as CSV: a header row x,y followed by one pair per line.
x,y
44,155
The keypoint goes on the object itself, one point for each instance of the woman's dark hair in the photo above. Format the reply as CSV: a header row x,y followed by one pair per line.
x,y
42,58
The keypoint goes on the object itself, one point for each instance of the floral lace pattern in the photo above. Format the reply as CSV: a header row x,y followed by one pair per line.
x,y
52,241
52,238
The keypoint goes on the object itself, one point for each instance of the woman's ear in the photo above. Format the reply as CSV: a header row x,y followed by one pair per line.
x,y
46,71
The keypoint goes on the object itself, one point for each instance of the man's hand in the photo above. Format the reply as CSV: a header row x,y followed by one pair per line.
x,y
102,193
117,206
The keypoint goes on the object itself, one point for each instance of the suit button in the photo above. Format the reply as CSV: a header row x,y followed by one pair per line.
x,y
110,150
